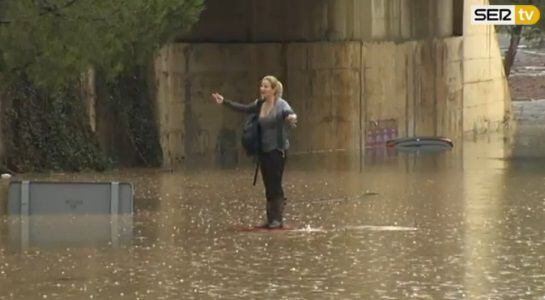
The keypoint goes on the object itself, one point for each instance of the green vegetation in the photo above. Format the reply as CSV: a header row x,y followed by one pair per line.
x,y
46,46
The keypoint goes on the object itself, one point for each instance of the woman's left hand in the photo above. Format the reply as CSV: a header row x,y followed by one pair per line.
x,y
292,120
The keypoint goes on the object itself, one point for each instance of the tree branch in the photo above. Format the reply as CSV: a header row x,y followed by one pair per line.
x,y
53,9
47,9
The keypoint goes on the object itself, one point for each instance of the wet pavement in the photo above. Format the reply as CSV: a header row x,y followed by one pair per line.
x,y
467,224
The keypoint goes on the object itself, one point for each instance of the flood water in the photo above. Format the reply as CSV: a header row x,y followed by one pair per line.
x,y
467,224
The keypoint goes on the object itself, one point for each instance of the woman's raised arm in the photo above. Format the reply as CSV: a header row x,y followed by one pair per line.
x,y
247,108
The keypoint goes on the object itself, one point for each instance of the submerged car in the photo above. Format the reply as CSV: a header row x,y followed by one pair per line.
x,y
421,144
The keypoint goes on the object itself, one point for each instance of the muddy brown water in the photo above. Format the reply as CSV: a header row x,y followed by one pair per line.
x,y
467,224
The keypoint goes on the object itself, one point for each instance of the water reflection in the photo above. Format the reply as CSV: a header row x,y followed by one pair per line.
x,y
483,188
61,231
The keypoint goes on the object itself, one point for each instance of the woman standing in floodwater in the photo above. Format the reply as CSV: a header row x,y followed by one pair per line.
x,y
274,115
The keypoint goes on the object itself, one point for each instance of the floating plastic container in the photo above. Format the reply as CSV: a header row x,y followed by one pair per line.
x,y
41,197
69,214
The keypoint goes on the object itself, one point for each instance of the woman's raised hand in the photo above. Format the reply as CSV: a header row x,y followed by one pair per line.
x,y
292,120
218,97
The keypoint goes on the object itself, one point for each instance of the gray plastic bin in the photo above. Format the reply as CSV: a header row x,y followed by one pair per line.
x,y
41,197
69,214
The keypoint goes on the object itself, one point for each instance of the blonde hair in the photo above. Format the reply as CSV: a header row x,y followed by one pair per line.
x,y
275,84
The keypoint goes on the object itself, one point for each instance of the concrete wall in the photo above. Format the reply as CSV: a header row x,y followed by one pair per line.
x,y
324,87
3,105
346,92
342,91
322,20
417,85
486,93
190,123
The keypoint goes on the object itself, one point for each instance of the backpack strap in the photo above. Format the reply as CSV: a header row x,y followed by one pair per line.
x,y
280,130
259,104
258,113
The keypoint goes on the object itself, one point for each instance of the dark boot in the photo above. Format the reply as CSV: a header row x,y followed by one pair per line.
x,y
269,215
276,212
275,225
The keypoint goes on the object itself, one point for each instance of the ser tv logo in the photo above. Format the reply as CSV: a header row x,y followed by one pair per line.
x,y
504,14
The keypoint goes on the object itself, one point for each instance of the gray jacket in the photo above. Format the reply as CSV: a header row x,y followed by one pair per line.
x,y
269,124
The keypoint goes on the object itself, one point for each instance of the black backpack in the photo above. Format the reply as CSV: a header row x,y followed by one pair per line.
x,y
251,136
